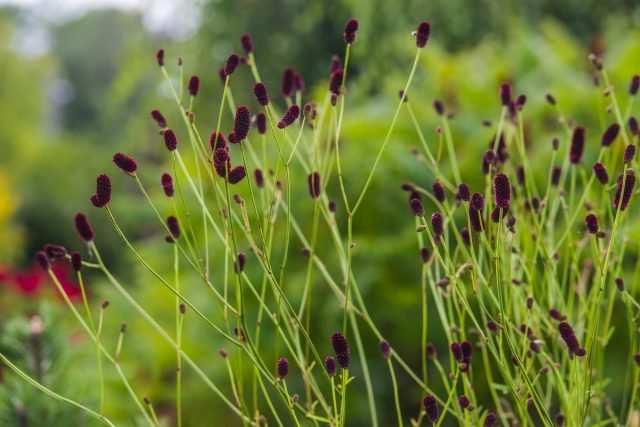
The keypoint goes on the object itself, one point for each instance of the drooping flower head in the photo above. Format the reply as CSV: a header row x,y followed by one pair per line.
x,y
124,162
157,116
610,134
290,116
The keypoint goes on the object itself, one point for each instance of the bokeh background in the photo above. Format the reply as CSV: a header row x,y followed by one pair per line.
x,y
78,79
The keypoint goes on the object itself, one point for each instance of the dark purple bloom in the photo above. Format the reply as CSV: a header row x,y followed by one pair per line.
x,y
438,106
634,85
505,94
600,171
477,201
502,191
103,191
259,177
170,140
577,145
261,94
241,124
217,141
287,83
620,283
569,337
335,81
464,401
437,224
232,63
520,175
42,260
431,407
555,313
242,258
83,227
76,261
556,173
490,420
194,85
438,191
341,349
422,34
629,153
313,181
520,101
124,162
463,192
456,351
591,221
330,365
416,206
160,57
425,254
157,116
246,42
629,183
610,134
283,368
290,116
55,251
173,226
261,122
237,174
350,31
403,96
332,206
550,99
335,64
634,128
465,236
167,184
385,349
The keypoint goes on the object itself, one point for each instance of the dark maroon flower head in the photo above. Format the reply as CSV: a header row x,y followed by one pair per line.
x,y
170,139
241,124
464,401
556,173
259,177
431,351
505,94
437,224
477,201
385,349
416,206
54,251
438,105
502,191
157,116
465,236
636,357
496,214
530,301
569,337
173,226
407,186
261,122
425,254
610,134
313,181
242,259
438,191
167,184
634,85
629,153
629,183
335,63
431,408
261,94
83,227
335,81
520,175
422,34
103,191
555,314
490,420
550,99
463,192
456,351
217,141
341,349
160,57
591,221
76,261
246,42
577,145
287,82
350,31
290,116
237,174
194,85
520,101
620,283
634,128
403,96
42,260
332,206
124,162
555,143
330,365
283,368
559,419
600,171
232,63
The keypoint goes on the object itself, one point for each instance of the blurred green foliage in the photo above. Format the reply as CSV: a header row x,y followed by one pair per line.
x,y
52,152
